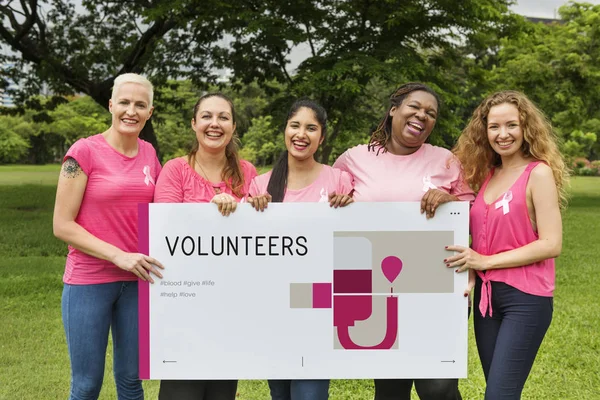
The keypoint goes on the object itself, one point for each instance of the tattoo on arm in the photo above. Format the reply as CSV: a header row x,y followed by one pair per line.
x,y
71,168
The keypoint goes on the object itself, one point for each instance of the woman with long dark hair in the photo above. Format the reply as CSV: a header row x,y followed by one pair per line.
x,y
298,177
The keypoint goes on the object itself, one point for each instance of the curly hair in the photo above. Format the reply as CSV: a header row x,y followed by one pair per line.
x,y
477,157
232,173
382,134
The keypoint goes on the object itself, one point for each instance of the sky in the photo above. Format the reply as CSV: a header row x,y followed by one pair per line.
x,y
542,8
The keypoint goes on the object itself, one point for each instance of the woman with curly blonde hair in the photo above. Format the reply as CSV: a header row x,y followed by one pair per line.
x,y
510,155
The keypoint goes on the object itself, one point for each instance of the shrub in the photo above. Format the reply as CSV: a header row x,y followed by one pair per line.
x,y
580,162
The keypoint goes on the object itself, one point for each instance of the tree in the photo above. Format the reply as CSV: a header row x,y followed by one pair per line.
x,y
356,45
358,50
70,51
558,67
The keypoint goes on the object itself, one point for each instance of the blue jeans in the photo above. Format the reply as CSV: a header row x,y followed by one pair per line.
x,y
88,312
299,389
508,341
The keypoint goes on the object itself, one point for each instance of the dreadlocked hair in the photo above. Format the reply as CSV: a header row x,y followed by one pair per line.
x,y
232,173
382,134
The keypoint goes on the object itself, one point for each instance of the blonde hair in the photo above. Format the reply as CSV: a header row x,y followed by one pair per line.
x,y
133,78
477,157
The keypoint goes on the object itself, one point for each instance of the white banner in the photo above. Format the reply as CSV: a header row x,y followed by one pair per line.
x,y
303,291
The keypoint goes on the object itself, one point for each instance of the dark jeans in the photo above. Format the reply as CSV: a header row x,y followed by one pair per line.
x,y
427,389
197,390
509,341
299,389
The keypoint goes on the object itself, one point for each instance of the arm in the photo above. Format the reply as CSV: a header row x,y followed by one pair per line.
x,y
256,198
169,185
544,197
459,190
72,183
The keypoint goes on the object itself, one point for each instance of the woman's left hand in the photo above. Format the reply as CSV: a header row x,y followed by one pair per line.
x,y
433,199
339,200
226,203
466,259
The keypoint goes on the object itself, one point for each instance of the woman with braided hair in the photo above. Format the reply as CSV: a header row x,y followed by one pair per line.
x,y
397,165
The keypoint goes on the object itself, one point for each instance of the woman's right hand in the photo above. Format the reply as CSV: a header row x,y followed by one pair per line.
x,y
138,264
225,202
260,202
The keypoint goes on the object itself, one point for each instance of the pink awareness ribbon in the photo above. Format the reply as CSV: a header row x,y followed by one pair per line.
x,y
508,196
148,179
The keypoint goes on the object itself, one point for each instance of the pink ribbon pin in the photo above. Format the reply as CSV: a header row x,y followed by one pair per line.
x,y
427,183
508,196
148,179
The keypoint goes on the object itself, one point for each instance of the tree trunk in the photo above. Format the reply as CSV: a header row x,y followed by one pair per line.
x,y
327,146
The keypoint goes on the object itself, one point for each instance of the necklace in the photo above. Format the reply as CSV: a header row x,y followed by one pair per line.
x,y
216,188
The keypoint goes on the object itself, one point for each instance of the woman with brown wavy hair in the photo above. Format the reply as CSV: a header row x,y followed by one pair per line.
x,y
510,155
211,172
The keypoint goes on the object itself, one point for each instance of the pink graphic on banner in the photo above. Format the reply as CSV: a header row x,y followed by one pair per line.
x,y
144,295
347,311
321,295
391,267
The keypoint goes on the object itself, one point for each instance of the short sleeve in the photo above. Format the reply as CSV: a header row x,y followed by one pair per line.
x,y
345,183
459,187
80,152
169,186
342,162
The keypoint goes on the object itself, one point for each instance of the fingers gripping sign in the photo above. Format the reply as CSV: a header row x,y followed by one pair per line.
x,y
140,265
432,199
339,200
226,203
260,202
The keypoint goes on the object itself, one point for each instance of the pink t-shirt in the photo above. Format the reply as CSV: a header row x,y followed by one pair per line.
x,y
504,225
109,208
180,183
329,181
389,177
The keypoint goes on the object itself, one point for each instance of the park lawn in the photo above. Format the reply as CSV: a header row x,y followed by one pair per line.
x,y
33,356
29,174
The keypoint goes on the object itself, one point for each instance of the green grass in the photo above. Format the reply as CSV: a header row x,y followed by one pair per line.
x,y
29,174
33,356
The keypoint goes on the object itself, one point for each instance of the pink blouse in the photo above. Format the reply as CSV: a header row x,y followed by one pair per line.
x,y
504,225
180,183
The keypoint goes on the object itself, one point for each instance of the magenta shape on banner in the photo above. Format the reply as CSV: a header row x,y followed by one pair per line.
x,y
352,280
321,295
391,267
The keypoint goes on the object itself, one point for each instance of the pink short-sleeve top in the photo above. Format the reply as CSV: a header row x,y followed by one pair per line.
x,y
329,181
116,185
383,176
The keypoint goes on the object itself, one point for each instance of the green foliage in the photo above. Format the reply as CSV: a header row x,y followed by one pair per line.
x,y
578,144
558,66
262,144
13,147
79,118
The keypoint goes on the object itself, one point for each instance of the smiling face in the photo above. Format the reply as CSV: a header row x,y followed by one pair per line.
x,y
504,130
303,134
213,124
130,108
412,122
